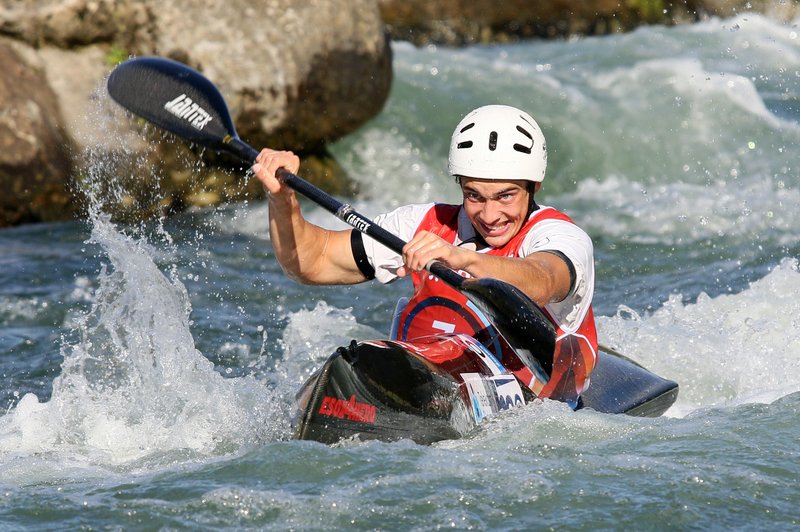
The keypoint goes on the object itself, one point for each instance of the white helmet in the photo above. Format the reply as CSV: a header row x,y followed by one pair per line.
x,y
498,142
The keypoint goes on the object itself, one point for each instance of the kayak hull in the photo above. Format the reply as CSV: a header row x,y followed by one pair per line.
x,y
440,388
621,386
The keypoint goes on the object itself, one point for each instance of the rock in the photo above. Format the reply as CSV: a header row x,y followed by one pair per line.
x,y
70,23
34,151
84,101
297,74
287,85
457,22
785,10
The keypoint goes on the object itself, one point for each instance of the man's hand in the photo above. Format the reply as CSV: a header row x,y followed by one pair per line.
x,y
426,247
267,164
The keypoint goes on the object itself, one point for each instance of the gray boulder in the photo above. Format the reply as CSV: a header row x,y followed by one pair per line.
x,y
297,74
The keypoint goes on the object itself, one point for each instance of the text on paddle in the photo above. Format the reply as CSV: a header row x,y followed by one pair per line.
x,y
354,220
183,107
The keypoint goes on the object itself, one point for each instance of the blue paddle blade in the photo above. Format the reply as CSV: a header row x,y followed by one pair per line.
x,y
174,97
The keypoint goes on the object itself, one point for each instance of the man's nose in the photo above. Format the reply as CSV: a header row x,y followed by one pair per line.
x,y
491,210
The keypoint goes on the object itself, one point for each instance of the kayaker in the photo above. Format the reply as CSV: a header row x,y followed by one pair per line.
x,y
498,157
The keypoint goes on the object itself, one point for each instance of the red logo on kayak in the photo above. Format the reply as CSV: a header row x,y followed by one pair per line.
x,y
350,409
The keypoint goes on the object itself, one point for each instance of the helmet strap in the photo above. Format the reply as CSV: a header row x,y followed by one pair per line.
x,y
532,206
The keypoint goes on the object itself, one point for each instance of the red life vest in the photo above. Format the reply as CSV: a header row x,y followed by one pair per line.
x,y
437,308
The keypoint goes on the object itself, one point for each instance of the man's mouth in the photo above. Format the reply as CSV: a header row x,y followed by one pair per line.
x,y
493,230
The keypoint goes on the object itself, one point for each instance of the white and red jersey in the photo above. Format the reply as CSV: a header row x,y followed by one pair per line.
x,y
546,230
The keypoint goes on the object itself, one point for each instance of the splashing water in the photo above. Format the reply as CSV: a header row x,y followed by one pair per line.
x,y
134,387
134,390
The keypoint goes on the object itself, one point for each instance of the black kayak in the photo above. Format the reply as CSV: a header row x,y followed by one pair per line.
x,y
441,387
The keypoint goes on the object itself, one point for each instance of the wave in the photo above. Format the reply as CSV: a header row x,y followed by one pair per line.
x,y
684,213
726,350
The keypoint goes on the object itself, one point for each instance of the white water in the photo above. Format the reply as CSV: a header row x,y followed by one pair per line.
x,y
675,147
134,391
727,350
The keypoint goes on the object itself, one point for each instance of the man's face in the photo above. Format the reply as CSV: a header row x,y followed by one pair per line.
x,y
497,209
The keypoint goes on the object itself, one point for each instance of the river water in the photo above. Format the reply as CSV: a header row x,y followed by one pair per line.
x,y
148,371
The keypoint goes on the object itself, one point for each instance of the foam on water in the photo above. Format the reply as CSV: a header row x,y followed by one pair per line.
x,y
134,393
133,390
687,78
312,335
392,171
714,104
727,350
686,213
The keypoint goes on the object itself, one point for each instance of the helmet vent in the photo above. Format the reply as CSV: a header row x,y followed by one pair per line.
x,y
520,147
465,144
468,126
493,141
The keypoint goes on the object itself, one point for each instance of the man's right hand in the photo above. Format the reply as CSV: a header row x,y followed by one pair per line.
x,y
267,163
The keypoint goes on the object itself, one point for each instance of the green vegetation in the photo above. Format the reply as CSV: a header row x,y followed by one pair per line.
x,y
116,55
650,10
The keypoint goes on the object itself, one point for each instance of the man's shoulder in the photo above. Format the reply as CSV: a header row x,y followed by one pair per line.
x,y
554,230
545,212
552,217
404,220
411,210
417,212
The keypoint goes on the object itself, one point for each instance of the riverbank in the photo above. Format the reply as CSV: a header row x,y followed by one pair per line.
x,y
463,22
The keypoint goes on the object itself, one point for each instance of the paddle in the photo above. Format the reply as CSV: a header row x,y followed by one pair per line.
x,y
184,102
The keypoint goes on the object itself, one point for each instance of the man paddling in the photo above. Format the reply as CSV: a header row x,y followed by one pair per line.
x,y
498,157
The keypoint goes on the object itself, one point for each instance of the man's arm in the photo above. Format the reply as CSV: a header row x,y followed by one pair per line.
x,y
544,277
306,252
